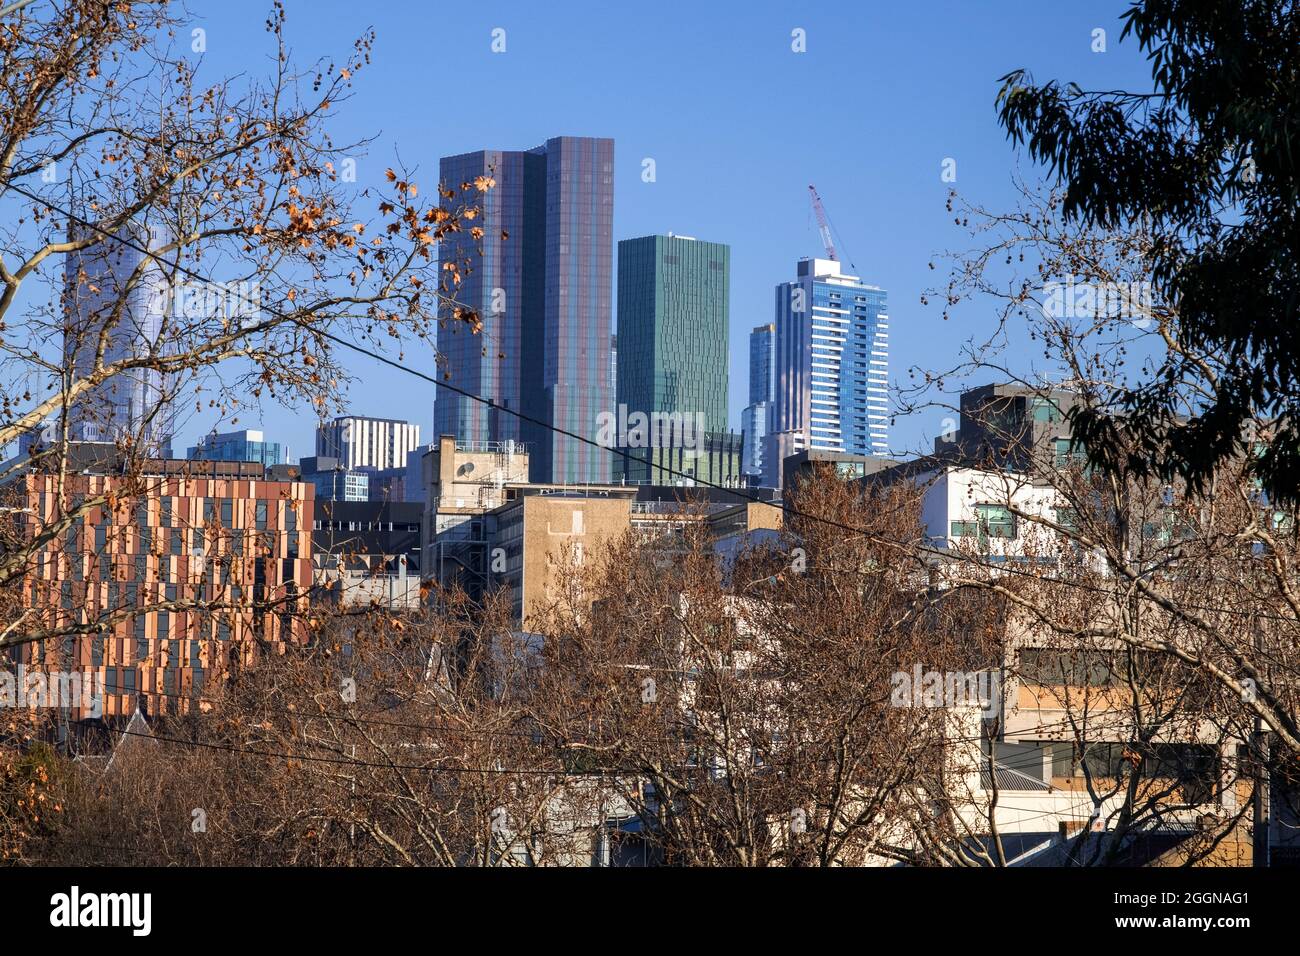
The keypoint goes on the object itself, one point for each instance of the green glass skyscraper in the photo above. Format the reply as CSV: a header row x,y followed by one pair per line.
x,y
673,320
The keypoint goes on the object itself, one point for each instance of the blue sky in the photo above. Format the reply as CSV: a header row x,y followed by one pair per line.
x,y
737,122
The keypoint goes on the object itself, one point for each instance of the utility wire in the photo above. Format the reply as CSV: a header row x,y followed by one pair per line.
x,y
782,506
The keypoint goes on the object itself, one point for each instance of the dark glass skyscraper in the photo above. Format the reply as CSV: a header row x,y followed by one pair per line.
x,y
541,278
762,389
762,363
673,314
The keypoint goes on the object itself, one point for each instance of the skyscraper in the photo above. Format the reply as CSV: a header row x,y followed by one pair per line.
x,y
373,444
831,366
132,405
762,368
762,389
673,318
541,279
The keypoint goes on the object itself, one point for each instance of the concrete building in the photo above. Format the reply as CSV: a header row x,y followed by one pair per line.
x,y
1048,755
524,543
831,364
205,533
464,480
541,280
482,529
972,511
368,553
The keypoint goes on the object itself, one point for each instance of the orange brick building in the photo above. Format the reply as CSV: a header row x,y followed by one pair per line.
x,y
180,572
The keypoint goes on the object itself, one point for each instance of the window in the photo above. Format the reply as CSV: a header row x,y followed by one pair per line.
x,y
1045,410
996,521
1067,456
261,515
991,521
1067,518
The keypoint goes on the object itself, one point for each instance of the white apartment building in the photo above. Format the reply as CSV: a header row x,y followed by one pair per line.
x,y
370,443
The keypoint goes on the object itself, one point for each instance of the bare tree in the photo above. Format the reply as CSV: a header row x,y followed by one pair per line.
x,y
214,245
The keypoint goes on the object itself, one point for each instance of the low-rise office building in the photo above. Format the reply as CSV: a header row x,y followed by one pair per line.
x,y
368,553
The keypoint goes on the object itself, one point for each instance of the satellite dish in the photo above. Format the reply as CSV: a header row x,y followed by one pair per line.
x,y
466,468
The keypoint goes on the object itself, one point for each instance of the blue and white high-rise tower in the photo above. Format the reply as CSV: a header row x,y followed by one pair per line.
x,y
831,366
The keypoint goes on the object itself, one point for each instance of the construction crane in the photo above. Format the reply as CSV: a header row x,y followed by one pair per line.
x,y
823,224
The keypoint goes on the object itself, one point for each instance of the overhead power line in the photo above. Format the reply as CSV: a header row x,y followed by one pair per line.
x,y
905,547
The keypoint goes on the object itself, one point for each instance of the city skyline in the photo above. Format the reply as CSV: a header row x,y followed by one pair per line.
x,y
755,436
742,182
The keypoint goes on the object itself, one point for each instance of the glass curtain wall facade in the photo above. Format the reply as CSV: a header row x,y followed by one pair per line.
x,y
673,321
502,279
762,388
246,445
540,279
132,405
